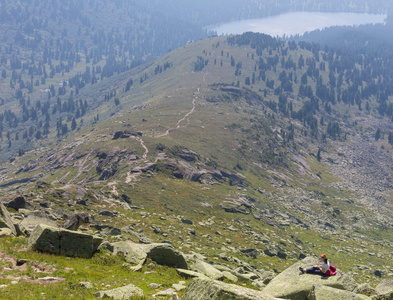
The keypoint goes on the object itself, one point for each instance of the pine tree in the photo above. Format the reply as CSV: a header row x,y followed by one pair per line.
x,y
378,135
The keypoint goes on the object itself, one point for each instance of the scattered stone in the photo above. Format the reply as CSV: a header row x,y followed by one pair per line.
x,y
82,202
365,289
133,253
155,286
207,269
6,225
122,293
75,221
200,288
190,274
105,212
250,252
145,168
87,285
179,286
157,229
186,221
385,286
267,277
165,254
5,232
21,262
320,292
44,204
17,203
34,219
167,292
110,231
230,276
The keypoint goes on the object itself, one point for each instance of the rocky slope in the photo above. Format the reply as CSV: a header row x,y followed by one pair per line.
x,y
192,164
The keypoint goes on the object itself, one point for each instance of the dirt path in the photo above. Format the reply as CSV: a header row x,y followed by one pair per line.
x,y
133,176
178,124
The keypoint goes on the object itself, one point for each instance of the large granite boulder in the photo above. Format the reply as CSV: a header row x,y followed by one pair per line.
x,y
17,203
385,286
190,274
122,293
35,218
292,284
202,289
133,253
165,254
75,221
320,292
385,290
6,225
61,242
207,269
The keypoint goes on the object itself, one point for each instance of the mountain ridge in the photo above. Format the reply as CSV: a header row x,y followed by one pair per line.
x,y
232,155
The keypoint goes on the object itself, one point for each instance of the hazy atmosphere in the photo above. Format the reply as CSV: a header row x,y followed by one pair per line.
x,y
196,149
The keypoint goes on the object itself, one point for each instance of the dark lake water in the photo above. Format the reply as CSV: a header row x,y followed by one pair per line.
x,y
297,23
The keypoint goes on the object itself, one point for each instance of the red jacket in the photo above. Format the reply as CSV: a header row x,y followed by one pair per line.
x,y
330,272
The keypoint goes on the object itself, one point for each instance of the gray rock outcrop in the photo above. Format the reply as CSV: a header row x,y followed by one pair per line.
x,y
385,286
61,242
133,253
35,218
292,284
122,293
320,292
17,203
165,254
75,221
6,225
202,289
207,269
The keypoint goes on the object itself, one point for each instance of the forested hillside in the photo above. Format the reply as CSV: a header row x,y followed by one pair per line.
x,y
241,153
51,50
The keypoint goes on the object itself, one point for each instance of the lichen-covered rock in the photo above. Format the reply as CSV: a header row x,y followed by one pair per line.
x,y
75,221
190,274
165,254
202,289
207,269
230,276
386,296
4,232
122,293
35,218
385,290
292,284
17,203
320,292
385,286
6,221
61,241
133,253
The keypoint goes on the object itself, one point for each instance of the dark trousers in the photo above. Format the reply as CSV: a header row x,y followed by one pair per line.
x,y
314,270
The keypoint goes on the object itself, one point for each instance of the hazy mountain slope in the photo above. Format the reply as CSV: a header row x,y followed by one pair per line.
x,y
185,143
49,48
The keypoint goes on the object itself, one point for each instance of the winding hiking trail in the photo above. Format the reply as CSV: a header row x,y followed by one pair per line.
x,y
178,124
133,176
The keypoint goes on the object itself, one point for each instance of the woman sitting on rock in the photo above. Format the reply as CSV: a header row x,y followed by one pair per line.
x,y
322,269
